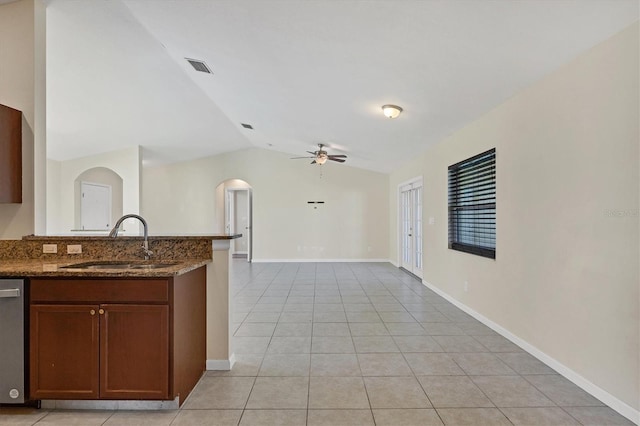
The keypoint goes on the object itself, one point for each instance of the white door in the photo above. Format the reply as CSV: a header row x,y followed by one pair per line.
x,y
228,210
238,220
241,221
249,227
95,206
411,229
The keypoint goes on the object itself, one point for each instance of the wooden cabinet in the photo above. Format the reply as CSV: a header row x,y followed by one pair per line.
x,y
10,155
134,352
118,338
65,339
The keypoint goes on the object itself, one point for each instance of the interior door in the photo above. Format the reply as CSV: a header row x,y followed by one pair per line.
x,y
406,230
411,227
228,211
95,206
239,220
249,229
417,230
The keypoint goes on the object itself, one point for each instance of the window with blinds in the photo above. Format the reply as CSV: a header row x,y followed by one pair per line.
x,y
472,205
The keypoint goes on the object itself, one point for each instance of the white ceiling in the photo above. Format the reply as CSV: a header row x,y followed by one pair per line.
x,y
300,72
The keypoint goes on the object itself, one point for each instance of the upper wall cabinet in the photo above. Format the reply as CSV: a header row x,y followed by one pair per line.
x,y
10,155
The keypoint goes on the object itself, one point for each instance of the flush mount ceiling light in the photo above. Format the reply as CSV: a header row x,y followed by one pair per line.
x,y
391,111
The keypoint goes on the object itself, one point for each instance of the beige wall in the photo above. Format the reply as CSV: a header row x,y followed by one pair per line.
x,y
61,191
352,224
22,86
54,207
566,277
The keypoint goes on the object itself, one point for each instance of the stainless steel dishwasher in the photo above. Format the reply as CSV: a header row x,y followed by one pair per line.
x,y
12,341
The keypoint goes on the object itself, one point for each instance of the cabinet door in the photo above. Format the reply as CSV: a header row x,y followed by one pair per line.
x,y
134,351
64,351
10,155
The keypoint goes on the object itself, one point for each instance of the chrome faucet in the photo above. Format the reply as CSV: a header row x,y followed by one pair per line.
x,y
145,244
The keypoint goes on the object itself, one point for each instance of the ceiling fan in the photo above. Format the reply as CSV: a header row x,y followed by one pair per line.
x,y
321,156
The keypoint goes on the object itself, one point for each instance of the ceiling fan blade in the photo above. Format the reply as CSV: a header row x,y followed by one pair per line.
x,y
297,158
337,156
339,160
313,153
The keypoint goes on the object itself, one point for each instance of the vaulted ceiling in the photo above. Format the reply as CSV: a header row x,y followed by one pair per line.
x,y
300,72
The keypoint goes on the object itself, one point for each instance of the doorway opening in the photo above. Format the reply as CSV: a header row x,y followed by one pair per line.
x,y
234,201
410,226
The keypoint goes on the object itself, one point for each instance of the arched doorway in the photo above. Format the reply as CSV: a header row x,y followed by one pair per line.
x,y
234,215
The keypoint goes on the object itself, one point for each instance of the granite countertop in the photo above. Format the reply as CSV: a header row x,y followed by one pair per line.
x,y
27,257
103,236
54,268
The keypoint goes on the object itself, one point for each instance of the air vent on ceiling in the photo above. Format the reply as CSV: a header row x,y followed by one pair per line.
x,y
199,66
247,126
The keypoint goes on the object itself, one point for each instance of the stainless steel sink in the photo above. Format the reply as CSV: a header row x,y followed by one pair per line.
x,y
153,265
120,265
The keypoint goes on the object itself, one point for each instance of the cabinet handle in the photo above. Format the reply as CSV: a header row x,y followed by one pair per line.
x,y
92,312
101,311
9,292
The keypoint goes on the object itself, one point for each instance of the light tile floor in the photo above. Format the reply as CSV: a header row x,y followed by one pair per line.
x,y
358,344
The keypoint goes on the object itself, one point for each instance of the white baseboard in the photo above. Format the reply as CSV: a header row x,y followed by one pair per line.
x,y
254,260
221,364
232,360
396,264
621,407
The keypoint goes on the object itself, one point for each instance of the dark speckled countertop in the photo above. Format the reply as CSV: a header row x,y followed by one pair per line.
x,y
103,236
43,268
25,257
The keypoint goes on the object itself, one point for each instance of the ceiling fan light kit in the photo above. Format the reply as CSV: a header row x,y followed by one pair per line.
x,y
322,158
391,111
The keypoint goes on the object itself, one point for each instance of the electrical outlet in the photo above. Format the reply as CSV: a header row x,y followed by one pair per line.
x,y
74,249
49,248
466,286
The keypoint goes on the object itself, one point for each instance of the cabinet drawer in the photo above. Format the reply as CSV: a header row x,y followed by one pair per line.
x,y
100,290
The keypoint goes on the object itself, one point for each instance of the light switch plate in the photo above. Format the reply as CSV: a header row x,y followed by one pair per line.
x,y
74,249
49,248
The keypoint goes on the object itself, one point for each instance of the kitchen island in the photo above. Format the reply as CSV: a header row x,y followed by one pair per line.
x,y
183,290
